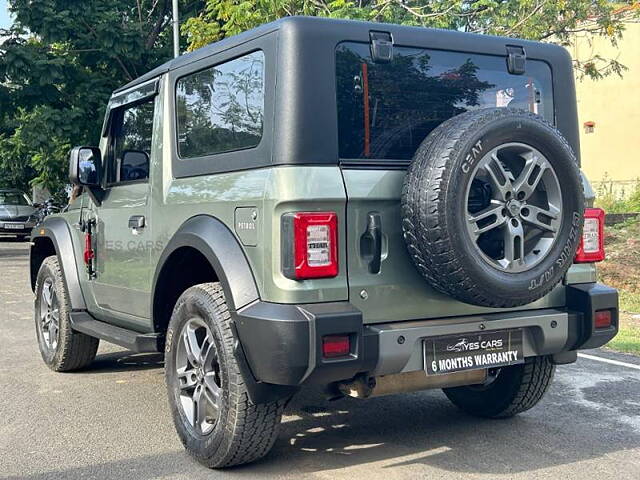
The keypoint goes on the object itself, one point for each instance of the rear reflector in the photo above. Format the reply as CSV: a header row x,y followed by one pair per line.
x,y
591,247
335,346
603,319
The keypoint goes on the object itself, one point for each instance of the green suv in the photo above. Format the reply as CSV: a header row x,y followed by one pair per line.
x,y
371,208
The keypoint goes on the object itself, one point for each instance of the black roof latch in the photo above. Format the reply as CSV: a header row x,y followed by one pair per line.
x,y
516,59
381,47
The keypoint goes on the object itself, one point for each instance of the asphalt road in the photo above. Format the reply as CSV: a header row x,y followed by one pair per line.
x,y
112,421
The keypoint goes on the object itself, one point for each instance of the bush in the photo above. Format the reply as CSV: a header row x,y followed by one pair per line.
x,y
617,201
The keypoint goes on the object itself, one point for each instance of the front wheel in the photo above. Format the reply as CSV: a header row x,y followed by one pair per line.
x,y
507,392
215,420
62,349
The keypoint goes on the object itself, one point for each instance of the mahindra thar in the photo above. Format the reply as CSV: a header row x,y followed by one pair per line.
x,y
371,208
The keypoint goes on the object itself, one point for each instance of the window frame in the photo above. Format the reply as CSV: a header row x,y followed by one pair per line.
x,y
399,163
117,112
177,132
232,160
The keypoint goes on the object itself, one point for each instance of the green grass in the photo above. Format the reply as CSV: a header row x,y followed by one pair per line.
x,y
627,340
629,302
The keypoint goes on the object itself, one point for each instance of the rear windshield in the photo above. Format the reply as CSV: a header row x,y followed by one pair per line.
x,y
386,110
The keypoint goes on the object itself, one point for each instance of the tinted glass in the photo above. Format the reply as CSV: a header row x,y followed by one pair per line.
x,y
221,108
7,198
131,143
386,110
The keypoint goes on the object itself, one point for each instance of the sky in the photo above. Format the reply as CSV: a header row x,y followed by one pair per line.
x,y
5,21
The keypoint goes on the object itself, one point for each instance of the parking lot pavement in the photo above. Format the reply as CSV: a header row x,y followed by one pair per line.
x,y
111,421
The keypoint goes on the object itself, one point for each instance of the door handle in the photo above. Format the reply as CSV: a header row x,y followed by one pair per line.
x,y
137,222
371,242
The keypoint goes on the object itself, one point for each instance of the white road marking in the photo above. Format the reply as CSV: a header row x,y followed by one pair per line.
x,y
607,360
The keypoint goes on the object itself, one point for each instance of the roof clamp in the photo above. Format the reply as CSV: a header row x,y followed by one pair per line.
x,y
381,47
516,59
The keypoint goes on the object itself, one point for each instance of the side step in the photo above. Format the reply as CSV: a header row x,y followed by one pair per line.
x,y
135,341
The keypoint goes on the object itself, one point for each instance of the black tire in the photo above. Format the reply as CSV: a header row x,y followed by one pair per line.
x,y
515,389
243,432
434,208
72,350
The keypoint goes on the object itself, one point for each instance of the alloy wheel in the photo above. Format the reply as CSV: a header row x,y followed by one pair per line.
x,y
49,315
198,376
517,224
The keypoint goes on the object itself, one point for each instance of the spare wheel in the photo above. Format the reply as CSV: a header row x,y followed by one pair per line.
x,y
492,207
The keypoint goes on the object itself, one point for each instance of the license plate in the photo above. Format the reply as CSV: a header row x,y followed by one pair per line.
x,y
14,226
472,351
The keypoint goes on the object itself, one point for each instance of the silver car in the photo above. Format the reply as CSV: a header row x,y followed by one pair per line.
x,y
17,213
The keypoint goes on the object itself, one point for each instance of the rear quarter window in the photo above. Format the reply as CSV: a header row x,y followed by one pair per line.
x,y
386,110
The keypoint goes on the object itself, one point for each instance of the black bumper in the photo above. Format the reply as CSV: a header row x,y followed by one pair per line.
x,y
282,344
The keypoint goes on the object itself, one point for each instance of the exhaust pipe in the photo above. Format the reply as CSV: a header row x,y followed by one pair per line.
x,y
364,386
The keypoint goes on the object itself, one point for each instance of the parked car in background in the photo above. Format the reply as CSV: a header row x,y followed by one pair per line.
x,y
18,215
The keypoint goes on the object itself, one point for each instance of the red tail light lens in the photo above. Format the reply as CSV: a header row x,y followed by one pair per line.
x,y
591,248
314,245
335,346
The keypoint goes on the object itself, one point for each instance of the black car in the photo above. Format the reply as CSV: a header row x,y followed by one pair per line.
x,y
17,213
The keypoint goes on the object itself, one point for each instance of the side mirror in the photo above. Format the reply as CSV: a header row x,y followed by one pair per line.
x,y
84,166
85,170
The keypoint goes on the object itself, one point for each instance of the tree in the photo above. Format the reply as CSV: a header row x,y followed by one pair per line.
x,y
58,66
545,20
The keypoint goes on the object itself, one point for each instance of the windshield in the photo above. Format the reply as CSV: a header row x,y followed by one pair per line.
x,y
385,110
12,198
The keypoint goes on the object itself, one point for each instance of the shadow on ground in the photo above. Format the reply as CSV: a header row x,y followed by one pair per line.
x,y
422,428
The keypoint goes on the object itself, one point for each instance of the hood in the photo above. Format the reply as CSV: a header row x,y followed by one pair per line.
x,y
9,212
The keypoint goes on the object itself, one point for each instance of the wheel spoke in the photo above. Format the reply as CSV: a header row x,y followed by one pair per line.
x,y
53,334
212,391
513,245
191,346
199,408
495,210
530,176
499,177
187,378
46,293
207,350
533,217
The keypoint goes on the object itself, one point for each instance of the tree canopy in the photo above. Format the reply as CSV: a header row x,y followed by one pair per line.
x,y
61,59
59,63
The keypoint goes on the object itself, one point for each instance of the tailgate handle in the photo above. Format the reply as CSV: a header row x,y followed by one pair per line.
x,y
371,242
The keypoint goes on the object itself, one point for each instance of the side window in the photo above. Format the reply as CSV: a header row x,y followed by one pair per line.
x,y
130,143
221,109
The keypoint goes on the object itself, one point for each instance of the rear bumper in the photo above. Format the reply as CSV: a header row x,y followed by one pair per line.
x,y
283,343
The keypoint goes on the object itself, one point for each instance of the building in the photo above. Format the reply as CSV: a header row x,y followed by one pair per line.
x,y
609,112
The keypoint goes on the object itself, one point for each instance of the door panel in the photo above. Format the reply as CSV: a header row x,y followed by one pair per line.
x,y
123,277
397,291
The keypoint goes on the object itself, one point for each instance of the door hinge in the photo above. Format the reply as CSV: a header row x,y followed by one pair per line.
x,y
516,59
381,46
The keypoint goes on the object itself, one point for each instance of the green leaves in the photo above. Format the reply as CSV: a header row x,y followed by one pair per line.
x,y
58,67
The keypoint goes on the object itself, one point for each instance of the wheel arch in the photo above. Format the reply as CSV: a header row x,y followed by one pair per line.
x,y
211,252
53,237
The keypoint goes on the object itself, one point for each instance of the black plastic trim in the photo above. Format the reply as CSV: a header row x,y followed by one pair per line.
x,y
217,243
132,340
585,299
57,230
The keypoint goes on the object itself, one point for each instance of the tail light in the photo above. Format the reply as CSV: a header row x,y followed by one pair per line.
x,y
591,247
310,245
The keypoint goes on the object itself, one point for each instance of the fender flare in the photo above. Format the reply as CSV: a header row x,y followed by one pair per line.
x,y
217,243
57,230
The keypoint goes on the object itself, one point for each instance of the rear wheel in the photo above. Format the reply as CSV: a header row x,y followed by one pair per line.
x,y
508,391
215,420
62,349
